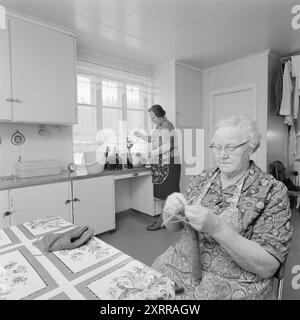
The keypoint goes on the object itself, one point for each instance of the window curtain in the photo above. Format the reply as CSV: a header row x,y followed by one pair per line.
x,y
97,73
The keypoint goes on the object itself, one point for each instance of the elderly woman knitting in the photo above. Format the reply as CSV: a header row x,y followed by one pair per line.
x,y
236,221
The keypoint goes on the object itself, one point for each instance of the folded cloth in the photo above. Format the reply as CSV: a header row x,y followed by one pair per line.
x,y
68,240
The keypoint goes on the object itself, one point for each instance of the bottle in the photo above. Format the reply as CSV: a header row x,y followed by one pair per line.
x,y
112,159
118,161
106,166
129,160
129,157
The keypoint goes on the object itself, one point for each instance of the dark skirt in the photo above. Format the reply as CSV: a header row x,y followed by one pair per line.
x,y
170,182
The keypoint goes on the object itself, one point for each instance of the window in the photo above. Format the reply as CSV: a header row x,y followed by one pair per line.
x,y
104,103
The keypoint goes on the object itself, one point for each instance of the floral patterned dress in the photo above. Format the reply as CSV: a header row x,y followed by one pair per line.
x,y
263,216
165,171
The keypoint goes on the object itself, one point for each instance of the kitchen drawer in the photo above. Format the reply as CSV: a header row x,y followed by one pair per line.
x,y
132,175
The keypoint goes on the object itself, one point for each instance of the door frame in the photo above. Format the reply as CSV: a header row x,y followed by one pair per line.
x,y
212,94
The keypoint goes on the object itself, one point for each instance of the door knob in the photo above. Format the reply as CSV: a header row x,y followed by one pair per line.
x,y
67,202
7,213
9,100
76,200
18,101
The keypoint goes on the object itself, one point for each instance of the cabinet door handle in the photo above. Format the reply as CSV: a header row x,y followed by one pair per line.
x,y
18,101
67,202
76,200
7,213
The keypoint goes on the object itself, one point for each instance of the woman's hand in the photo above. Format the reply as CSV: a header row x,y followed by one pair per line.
x,y
173,211
137,133
203,219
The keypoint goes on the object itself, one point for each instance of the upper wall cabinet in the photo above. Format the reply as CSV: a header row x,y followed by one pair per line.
x,y
188,90
180,94
42,72
5,82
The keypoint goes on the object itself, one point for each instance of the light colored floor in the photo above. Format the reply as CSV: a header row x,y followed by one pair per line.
x,y
132,238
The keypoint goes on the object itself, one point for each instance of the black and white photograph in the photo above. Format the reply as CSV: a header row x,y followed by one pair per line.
x,y
149,151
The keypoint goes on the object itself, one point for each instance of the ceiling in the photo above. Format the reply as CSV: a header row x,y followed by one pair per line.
x,y
200,33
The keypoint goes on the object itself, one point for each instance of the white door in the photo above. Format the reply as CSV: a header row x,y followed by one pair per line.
x,y
239,100
5,85
4,209
94,203
43,74
41,201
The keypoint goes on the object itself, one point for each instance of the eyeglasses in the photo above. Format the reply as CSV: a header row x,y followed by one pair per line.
x,y
227,148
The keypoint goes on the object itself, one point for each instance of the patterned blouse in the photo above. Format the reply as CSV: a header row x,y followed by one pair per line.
x,y
263,216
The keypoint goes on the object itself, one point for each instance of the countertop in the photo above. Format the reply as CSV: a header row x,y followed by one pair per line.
x,y
12,182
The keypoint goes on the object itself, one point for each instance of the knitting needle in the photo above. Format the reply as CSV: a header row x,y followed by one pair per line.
x,y
173,215
169,218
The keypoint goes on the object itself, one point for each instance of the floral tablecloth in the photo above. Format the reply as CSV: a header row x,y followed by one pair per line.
x,y
95,270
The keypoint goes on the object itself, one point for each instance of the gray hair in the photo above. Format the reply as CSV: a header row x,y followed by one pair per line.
x,y
243,121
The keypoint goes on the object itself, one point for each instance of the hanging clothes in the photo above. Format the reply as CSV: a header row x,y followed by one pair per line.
x,y
286,103
279,89
296,69
292,146
296,99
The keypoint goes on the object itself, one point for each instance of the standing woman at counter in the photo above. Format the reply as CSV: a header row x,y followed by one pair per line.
x,y
165,164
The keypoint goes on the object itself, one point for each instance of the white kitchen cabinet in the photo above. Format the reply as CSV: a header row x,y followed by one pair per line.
x,y
135,191
94,203
180,94
41,86
37,202
5,80
4,209
188,92
141,195
43,74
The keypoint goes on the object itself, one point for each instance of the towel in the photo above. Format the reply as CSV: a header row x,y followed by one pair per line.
x,y
68,240
296,98
296,66
286,103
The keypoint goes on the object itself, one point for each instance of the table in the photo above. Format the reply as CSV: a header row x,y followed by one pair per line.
x,y
93,271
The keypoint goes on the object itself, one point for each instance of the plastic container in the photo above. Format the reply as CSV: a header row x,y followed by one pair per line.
x,y
137,160
95,167
36,168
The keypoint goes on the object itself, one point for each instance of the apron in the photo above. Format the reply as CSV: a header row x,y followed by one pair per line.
x,y
230,216
160,163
